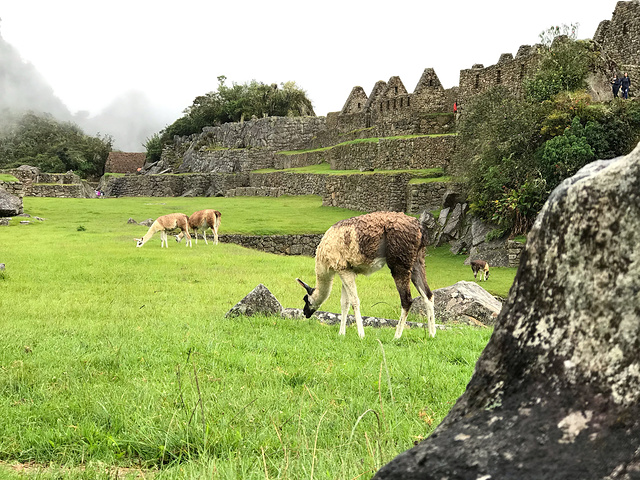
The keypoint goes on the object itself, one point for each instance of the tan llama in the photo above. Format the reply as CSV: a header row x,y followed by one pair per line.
x,y
166,223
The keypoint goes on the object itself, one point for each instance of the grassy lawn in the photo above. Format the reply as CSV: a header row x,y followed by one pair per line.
x,y
115,357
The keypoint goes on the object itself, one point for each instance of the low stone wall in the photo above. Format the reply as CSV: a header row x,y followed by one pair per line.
x,y
78,190
14,188
33,183
192,185
304,244
514,250
291,183
295,160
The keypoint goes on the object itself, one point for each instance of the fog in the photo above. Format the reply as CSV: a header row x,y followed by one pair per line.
x,y
130,119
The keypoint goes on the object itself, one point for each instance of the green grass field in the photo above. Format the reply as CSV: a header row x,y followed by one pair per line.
x,y
118,362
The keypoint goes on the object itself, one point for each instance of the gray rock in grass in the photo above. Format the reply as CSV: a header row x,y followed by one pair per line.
x,y
260,301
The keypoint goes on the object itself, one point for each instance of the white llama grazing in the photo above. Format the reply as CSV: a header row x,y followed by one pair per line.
x,y
203,219
167,223
362,245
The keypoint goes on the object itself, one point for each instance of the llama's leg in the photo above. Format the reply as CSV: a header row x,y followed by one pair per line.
x,y
344,305
419,279
204,235
349,288
163,239
215,234
402,277
186,234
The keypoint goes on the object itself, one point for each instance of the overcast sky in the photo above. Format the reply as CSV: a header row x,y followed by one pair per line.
x,y
94,54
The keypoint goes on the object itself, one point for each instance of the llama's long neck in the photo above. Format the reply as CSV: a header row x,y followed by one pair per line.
x,y
155,227
324,283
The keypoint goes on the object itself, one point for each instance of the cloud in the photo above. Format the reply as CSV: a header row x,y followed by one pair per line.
x,y
130,119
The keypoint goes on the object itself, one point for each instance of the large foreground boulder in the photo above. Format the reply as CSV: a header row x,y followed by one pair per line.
x,y
10,205
555,394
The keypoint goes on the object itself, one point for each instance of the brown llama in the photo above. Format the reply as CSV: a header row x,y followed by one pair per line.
x,y
204,219
362,245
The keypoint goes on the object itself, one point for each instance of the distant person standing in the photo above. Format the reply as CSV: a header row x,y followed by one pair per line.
x,y
455,109
625,83
615,85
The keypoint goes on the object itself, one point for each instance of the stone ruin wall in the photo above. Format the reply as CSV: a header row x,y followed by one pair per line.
x,y
509,73
33,183
366,193
14,188
304,244
619,37
428,196
394,154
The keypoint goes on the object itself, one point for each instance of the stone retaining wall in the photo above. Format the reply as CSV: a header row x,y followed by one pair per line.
x,y
192,185
304,244
77,190
14,188
394,154
514,250
429,196
367,193
362,192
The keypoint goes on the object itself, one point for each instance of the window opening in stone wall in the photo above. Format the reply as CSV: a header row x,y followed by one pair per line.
x,y
358,105
394,104
625,28
477,80
381,106
395,89
388,103
522,70
408,101
431,82
499,76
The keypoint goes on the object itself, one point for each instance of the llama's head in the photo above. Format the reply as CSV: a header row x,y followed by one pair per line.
x,y
309,308
139,242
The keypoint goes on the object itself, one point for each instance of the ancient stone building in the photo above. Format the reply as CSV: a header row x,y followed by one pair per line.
x,y
392,110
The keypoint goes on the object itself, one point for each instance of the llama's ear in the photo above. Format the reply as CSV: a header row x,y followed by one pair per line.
x,y
306,287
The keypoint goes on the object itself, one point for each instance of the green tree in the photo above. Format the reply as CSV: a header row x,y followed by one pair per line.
x,y
237,103
41,141
514,151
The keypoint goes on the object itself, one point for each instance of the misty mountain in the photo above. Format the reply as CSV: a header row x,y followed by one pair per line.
x,y
130,119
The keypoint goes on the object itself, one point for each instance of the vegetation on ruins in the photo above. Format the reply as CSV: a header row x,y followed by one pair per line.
x,y
39,140
233,104
116,357
516,150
